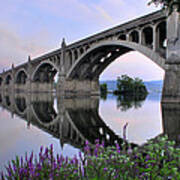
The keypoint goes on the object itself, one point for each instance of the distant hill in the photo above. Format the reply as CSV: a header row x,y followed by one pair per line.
x,y
152,86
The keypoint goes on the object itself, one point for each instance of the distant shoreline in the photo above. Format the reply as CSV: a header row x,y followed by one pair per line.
x,y
152,86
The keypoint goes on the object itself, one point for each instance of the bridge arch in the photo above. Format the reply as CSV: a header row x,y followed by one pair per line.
x,y
87,47
8,79
45,72
147,36
105,53
122,37
161,37
45,113
1,81
81,50
1,100
134,36
70,57
20,105
7,101
75,54
21,76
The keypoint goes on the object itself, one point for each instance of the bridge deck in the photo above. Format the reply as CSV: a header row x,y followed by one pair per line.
x,y
141,21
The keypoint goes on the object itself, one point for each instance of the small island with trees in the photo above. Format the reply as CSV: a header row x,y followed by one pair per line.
x,y
129,86
130,92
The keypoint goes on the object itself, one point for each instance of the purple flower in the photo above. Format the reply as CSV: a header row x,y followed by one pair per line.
x,y
46,152
21,171
86,143
75,160
21,161
96,152
66,160
105,169
41,149
87,149
54,166
10,168
39,167
97,141
51,176
117,148
147,157
26,157
9,172
102,144
31,157
75,171
37,174
14,168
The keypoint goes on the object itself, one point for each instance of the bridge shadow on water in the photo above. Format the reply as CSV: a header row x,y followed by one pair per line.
x,y
75,120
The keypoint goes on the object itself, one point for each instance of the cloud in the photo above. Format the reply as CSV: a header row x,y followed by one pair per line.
x,y
15,49
34,27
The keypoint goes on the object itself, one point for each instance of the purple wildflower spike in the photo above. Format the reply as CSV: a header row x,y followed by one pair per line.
x,y
117,148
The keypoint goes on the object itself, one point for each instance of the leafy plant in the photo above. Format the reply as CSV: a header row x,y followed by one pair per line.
x,y
128,85
166,4
158,159
103,90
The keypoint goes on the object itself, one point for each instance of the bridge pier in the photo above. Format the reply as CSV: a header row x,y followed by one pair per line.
x,y
171,88
76,87
171,121
41,87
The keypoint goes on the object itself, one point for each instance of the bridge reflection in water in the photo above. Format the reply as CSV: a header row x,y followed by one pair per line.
x,y
73,121
171,121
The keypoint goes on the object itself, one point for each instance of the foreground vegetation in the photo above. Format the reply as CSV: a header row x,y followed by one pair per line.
x,y
158,159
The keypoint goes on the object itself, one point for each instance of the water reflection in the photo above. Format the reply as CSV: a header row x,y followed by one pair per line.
x,y
44,111
20,102
104,96
73,121
125,102
171,121
8,102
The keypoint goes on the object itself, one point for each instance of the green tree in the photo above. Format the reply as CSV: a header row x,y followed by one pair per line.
x,y
128,85
166,3
103,90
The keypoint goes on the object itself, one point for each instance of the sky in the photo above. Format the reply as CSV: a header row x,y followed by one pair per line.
x,y
36,27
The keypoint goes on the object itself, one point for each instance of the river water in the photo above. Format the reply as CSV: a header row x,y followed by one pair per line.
x,y
29,121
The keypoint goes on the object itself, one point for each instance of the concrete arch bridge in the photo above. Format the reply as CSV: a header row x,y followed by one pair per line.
x,y
77,66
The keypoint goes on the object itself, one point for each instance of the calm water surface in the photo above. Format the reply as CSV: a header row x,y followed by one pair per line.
x,y
29,121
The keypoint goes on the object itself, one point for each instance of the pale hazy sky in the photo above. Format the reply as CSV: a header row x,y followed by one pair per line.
x,y
37,26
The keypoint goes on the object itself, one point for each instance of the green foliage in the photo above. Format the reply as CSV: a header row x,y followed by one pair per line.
x,y
103,90
158,159
128,85
166,4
